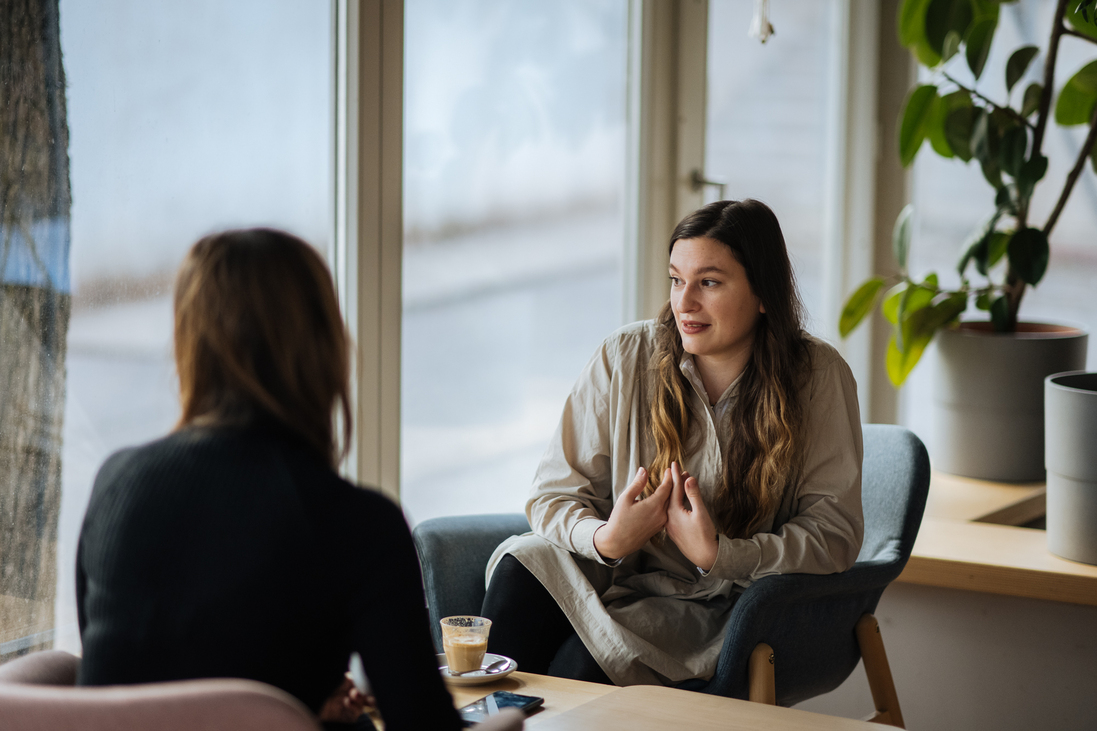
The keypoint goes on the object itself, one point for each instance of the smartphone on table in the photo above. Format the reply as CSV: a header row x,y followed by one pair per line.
x,y
489,705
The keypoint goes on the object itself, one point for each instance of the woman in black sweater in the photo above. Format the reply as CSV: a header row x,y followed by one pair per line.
x,y
231,548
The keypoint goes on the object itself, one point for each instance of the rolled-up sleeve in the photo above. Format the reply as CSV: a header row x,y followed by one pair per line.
x,y
826,527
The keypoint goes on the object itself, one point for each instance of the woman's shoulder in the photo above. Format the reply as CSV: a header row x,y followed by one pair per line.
x,y
178,451
827,368
630,341
822,354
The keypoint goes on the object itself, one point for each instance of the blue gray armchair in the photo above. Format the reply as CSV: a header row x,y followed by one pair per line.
x,y
789,637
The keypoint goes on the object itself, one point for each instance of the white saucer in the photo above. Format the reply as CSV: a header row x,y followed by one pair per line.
x,y
477,677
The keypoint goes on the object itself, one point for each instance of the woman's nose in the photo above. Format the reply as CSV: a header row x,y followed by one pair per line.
x,y
688,301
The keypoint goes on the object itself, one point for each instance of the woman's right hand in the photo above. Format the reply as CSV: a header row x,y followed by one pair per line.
x,y
634,521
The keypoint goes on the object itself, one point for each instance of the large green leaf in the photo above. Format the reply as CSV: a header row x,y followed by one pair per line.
x,y
984,146
996,249
1031,101
1012,149
916,113
926,322
913,300
959,125
900,363
935,127
858,305
1030,174
921,296
1078,97
900,235
912,31
944,17
1028,254
890,306
978,43
1083,22
1017,65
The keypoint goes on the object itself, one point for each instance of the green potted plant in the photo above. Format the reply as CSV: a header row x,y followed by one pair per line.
x,y
1008,251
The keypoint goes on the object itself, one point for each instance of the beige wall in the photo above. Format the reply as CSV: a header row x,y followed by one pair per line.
x,y
971,661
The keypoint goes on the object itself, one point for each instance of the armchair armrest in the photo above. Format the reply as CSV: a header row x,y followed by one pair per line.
x,y
809,622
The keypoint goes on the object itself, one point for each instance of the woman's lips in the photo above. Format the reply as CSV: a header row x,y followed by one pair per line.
x,y
692,328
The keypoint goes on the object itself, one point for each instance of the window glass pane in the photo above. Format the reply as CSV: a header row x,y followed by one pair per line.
x,y
951,199
514,155
766,131
182,119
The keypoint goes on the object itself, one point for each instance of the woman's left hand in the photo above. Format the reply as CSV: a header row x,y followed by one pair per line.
x,y
691,528
346,704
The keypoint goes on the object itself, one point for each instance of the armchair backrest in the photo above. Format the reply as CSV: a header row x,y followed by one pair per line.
x,y
895,483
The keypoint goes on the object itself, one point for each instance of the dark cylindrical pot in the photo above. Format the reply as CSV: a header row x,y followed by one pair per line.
x,y
989,403
1070,401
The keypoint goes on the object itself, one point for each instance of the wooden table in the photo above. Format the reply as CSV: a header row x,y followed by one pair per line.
x,y
577,706
560,694
971,539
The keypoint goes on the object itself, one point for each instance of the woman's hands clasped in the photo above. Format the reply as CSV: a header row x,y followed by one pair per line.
x,y
633,522
691,529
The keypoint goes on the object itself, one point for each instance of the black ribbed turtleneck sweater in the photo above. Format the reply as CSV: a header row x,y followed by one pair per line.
x,y
236,552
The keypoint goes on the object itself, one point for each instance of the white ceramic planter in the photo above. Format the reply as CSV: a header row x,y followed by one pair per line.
x,y
1071,452
989,401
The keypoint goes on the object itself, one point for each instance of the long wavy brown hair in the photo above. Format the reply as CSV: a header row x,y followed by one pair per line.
x,y
258,336
761,456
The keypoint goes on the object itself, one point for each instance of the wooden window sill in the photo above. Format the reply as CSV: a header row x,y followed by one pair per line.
x,y
971,539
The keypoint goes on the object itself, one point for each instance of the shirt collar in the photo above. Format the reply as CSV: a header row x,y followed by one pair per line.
x,y
689,368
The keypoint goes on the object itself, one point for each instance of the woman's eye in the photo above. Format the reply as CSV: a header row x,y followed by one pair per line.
x,y
675,281
709,282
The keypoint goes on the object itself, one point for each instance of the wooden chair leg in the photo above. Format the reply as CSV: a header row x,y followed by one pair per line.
x,y
760,675
878,671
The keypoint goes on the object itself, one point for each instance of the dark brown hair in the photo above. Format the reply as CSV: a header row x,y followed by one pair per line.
x,y
761,455
258,335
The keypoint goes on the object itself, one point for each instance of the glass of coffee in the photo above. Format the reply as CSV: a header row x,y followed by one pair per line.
x,y
465,640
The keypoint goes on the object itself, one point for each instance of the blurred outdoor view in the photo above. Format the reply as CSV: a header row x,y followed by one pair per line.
x,y
184,118
514,162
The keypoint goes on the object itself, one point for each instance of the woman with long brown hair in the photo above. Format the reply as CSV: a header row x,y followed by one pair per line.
x,y
231,547
697,453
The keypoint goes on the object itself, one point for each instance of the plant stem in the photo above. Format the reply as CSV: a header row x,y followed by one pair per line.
x,y
1079,164
1057,29
1076,34
1005,108
1015,286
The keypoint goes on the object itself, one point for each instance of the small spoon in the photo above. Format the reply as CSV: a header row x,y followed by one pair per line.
x,y
495,667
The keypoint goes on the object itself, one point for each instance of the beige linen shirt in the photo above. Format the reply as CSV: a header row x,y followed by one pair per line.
x,y
653,617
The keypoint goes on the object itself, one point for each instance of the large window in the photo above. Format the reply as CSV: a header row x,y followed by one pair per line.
x,y
183,118
514,157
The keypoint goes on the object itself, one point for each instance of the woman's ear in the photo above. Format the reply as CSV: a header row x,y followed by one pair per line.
x,y
761,307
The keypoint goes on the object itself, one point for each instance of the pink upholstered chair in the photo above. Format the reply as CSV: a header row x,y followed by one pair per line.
x,y
36,694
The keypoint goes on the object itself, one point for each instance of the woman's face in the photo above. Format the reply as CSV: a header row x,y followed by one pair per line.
x,y
714,305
